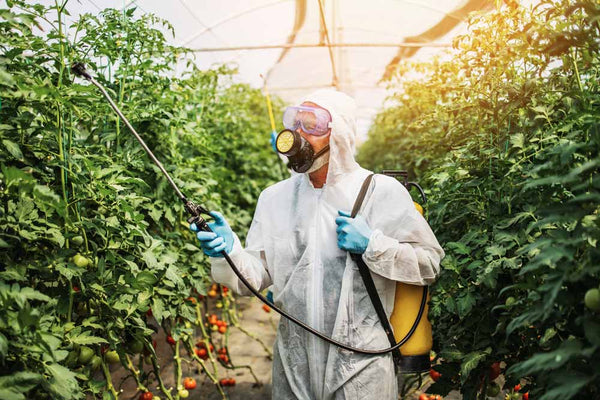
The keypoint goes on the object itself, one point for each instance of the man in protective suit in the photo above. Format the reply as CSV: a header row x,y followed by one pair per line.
x,y
299,242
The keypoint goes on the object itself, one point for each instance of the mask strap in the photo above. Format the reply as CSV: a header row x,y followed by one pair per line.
x,y
319,160
321,152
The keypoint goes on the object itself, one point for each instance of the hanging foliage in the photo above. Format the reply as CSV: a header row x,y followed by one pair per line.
x,y
505,136
96,253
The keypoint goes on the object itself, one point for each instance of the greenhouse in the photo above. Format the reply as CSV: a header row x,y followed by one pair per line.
x,y
292,199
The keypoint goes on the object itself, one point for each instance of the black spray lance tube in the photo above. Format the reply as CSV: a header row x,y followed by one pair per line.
x,y
196,212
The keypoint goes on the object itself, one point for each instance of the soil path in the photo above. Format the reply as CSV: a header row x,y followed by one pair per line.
x,y
244,350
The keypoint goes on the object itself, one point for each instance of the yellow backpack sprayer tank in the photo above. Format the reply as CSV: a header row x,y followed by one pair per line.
x,y
407,303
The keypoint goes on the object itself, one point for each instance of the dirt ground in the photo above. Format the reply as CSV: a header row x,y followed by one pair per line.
x,y
244,351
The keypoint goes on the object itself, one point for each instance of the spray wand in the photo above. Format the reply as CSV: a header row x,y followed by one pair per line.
x,y
273,129
196,212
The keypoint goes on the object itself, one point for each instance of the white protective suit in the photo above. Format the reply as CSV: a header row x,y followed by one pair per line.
x,y
292,245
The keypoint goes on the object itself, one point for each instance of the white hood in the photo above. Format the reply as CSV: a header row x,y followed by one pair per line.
x,y
343,130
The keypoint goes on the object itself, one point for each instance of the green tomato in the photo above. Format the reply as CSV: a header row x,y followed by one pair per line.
x,y
81,309
493,390
112,357
85,355
510,301
136,346
77,240
95,363
80,260
72,359
592,299
183,393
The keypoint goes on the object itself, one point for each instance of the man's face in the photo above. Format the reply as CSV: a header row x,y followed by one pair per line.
x,y
317,142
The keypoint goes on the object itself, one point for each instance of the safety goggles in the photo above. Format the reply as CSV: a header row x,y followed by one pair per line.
x,y
312,120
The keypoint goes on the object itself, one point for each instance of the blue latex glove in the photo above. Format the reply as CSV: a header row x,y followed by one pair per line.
x,y
273,140
221,238
353,233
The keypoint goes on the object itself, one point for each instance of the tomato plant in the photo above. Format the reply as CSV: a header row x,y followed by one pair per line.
x,y
97,256
503,134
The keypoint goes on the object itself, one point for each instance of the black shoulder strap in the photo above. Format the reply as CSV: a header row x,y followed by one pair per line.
x,y
368,279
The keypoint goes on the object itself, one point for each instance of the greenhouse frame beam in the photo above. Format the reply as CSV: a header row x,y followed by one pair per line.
x,y
329,45
316,45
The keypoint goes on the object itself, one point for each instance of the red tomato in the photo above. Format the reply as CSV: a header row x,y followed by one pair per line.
x,y
146,396
494,371
434,374
526,396
170,340
222,329
266,308
189,383
201,353
423,396
517,387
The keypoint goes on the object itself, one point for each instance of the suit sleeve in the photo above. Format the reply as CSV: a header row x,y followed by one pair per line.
x,y
251,261
402,246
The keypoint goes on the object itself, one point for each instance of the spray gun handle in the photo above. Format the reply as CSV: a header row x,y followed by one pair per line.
x,y
196,212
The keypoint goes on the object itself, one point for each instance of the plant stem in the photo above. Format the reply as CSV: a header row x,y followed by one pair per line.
x,y
71,295
253,336
161,385
177,359
212,377
109,383
135,373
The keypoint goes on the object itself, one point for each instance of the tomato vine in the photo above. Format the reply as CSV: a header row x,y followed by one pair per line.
x,y
96,254
504,134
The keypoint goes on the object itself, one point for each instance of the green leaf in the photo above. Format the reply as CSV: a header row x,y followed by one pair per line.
x,y
44,193
146,279
547,361
3,347
14,175
451,355
11,394
158,309
464,304
471,361
566,385
20,381
592,331
86,338
62,384
13,149
459,248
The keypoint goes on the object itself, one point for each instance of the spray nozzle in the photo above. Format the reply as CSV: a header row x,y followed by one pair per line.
x,y
78,69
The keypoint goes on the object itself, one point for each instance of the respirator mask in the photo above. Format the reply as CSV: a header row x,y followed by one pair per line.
x,y
313,121
300,154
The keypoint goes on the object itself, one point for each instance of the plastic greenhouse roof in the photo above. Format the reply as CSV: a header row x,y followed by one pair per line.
x,y
286,42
